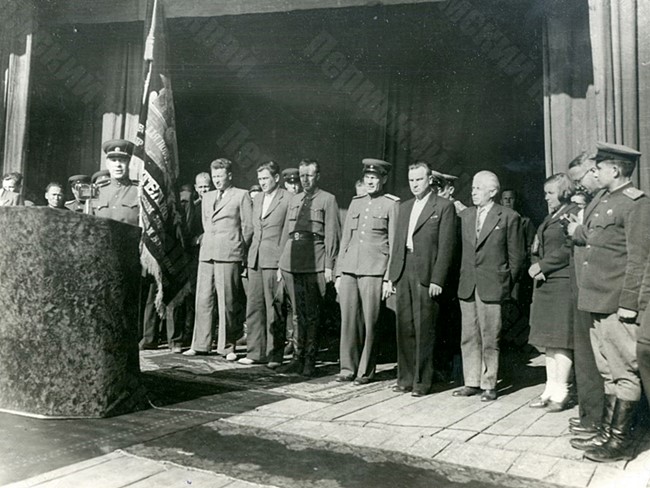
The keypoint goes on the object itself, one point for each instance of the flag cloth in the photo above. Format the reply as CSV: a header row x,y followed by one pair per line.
x,y
162,252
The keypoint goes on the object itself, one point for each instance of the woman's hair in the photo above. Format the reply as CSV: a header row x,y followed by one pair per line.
x,y
565,187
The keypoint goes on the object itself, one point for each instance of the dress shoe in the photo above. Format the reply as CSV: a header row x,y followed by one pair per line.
x,y
288,349
192,352
241,341
580,430
402,389
148,347
539,402
343,378
231,356
467,391
418,393
294,366
555,407
362,380
488,395
273,365
248,361
176,349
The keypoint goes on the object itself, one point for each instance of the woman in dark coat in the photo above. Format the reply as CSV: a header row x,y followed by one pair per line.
x,y
552,309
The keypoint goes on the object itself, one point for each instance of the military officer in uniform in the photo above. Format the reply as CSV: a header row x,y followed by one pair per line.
x,y
76,204
119,199
615,235
362,271
101,178
310,243
291,180
444,183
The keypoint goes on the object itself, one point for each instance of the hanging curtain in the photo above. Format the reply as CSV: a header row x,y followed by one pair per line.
x,y
15,62
597,77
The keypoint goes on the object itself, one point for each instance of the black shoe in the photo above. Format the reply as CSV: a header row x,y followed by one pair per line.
x,y
489,395
362,380
616,447
295,366
402,389
602,437
344,378
580,430
575,422
418,393
309,369
467,391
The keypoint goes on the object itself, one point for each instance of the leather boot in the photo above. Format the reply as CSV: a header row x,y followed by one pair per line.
x,y
615,449
601,438
295,366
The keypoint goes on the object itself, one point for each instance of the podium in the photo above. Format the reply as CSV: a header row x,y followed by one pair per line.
x,y
69,291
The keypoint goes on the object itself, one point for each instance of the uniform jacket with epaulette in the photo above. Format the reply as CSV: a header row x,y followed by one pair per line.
x,y
118,201
368,236
616,245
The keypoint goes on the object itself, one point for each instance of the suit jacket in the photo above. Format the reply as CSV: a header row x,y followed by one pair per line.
x,y
434,239
9,198
368,236
227,226
491,263
265,247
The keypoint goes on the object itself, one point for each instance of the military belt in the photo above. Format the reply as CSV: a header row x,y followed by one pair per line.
x,y
301,235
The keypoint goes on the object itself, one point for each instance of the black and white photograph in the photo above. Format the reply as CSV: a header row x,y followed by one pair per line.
x,y
325,243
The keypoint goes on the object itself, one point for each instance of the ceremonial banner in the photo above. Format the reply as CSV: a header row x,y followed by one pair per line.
x,y
161,250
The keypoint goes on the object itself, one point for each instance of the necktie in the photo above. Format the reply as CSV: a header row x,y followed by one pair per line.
x,y
479,222
218,199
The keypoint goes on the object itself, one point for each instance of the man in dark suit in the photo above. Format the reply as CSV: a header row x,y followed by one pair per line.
x,y
310,243
265,339
419,263
362,271
493,256
227,225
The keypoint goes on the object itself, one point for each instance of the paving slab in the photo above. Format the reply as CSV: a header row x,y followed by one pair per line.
x,y
571,473
477,456
347,407
609,477
532,465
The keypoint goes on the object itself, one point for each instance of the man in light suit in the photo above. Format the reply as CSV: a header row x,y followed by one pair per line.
x,y
227,225
493,256
265,339
419,263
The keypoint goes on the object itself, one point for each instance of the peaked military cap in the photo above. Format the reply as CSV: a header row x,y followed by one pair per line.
x,y
118,148
377,166
99,174
607,150
443,177
79,179
291,175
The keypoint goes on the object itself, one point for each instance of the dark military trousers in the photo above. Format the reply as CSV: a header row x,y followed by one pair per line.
x,y
152,323
358,330
417,314
265,336
643,351
308,292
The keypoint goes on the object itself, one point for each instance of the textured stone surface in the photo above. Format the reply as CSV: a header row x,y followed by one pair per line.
x,y
69,301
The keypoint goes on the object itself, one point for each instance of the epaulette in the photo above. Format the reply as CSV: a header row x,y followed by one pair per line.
x,y
392,197
358,196
69,202
633,193
135,182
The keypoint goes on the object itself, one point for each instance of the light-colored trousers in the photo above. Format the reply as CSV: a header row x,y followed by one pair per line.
x,y
218,288
479,343
614,345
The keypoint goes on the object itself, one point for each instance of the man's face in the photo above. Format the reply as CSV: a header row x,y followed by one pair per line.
x,y
292,186
483,191
419,181
117,167
508,199
584,177
308,177
606,174
267,181
54,197
221,178
373,183
202,185
552,196
9,185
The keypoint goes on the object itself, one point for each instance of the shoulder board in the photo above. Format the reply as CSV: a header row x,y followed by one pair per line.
x,y
392,197
356,197
70,202
633,193
135,182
